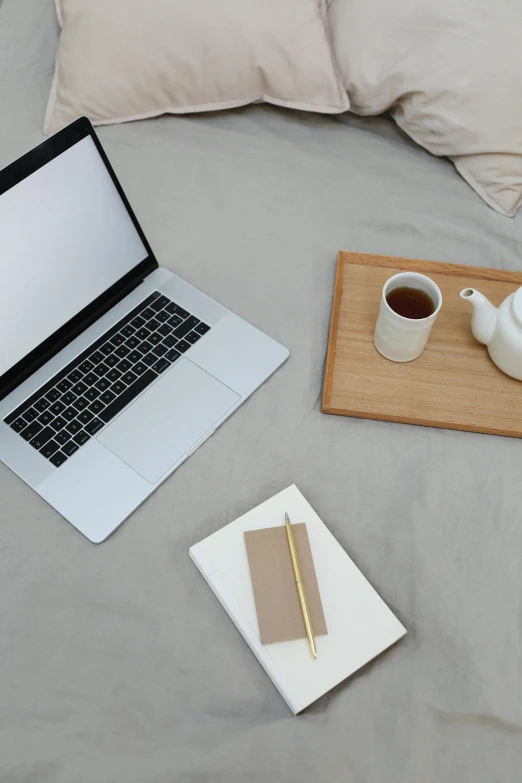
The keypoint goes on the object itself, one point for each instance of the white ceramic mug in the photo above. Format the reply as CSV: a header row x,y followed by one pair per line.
x,y
404,339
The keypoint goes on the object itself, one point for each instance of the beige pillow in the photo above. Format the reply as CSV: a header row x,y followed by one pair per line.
x,y
124,60
450,71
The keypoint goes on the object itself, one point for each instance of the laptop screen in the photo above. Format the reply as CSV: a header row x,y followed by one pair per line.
x,y
65,237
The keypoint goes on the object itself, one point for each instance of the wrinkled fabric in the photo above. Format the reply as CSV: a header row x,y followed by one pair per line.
x,y
451,74
117,663
124,60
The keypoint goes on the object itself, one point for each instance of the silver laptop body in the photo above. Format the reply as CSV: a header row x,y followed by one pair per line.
x,y
113,371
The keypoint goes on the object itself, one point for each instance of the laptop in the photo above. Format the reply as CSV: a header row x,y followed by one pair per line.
x,y
113,370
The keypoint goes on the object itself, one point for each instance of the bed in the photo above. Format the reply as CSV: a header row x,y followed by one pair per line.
x,y
116,662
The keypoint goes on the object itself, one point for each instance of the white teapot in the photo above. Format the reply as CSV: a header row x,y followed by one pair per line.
x,y
499,328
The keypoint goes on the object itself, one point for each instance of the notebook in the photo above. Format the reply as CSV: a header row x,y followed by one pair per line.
x,y
279,613
360,625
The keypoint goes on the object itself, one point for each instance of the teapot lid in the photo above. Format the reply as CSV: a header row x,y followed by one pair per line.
x,y
516,307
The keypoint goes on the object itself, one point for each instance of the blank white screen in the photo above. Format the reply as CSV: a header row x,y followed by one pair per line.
x,y
65,237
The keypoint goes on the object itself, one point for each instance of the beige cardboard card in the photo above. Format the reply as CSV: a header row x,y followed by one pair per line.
x,y
277,603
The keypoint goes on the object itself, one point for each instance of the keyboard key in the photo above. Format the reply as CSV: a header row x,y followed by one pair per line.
x,y
11,418
45,418
19,424
202,328
183,346
192,337
58,423
53,395
81,438
164,330
68,398
92,393
122,351
111,360
129,378
16,414
171,308
160,365
108,396
117,339
96,357
96,406
145,346
62,437
170,341
80,388
64,386
73,427
70,448
48,450
127,331
148,313
31,431
152,324
106,348
142,334
58,459
134,356
86,366
149,359
30,414
128,395
124,366
42,405
160,350
75,376
104,383
154,338
85,417
70,414
181,312
160,303
162,317
138,322
186,327
57,408
42,437
114,375
118,387
132,342
80,403
94,426
90,379
172,355
101,369
139,368
175,321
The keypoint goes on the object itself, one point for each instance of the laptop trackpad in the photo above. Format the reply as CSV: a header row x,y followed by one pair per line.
x,y
168,419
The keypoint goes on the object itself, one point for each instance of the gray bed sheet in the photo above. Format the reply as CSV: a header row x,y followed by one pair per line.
x,y
117,663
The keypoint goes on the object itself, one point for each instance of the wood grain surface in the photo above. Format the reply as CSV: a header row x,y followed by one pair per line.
x,y
454,384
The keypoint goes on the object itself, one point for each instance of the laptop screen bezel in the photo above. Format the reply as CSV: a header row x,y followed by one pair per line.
x,y
21,169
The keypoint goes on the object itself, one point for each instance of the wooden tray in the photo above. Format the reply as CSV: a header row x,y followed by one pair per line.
x,y
454,383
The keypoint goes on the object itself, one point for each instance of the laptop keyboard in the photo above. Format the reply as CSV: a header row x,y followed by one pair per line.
x,y
83,397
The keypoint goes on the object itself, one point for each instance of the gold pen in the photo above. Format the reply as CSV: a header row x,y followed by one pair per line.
x,y
307,619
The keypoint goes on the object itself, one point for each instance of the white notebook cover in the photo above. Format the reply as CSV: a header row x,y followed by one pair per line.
x,y
360,625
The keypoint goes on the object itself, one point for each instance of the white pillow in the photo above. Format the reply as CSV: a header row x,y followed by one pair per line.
x,y
450,71
124,60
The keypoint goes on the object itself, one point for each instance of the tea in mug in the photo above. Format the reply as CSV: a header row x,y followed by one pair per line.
x,y
410,303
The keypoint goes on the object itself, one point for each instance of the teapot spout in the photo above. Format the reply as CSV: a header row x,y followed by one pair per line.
x,y
484,317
